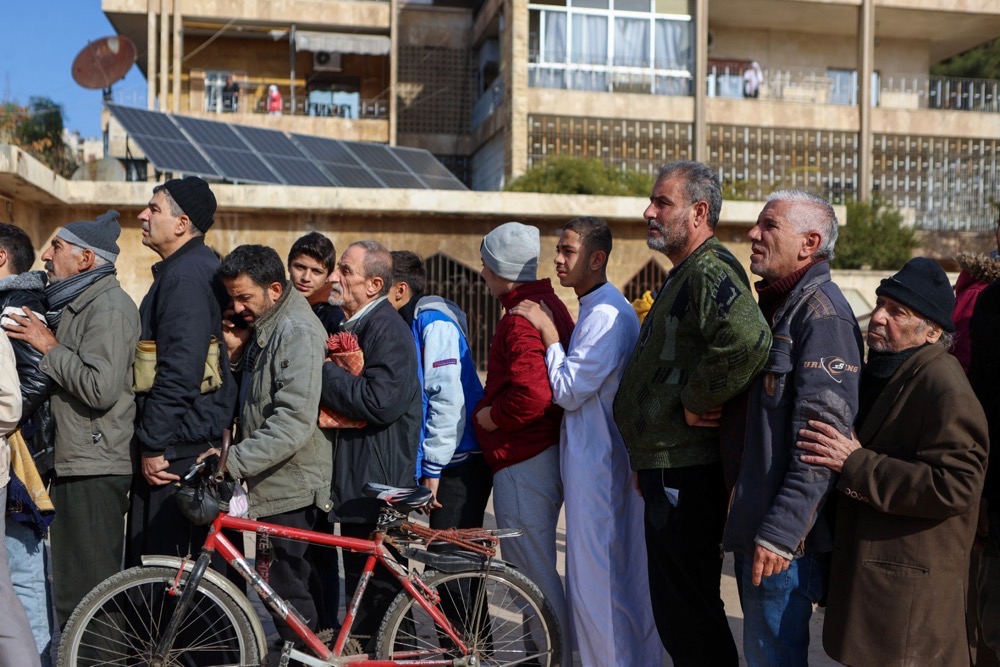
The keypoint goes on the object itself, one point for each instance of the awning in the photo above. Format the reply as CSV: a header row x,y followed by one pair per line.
x,y
337,42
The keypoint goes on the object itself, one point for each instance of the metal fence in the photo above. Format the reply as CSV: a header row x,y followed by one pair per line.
x,y
456,282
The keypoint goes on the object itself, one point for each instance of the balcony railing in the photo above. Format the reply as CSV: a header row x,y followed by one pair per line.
x,y
608,78
920,91
810,86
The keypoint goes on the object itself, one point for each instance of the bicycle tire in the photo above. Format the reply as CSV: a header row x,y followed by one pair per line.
x,y
515,625
118,623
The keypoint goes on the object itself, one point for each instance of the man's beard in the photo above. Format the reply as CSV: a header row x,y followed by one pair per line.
x,y
672,239
336,297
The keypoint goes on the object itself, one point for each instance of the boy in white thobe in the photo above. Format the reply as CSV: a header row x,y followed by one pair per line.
x,y
606,583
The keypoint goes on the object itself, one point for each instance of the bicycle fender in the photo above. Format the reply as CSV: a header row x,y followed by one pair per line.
x,y
240,598
452,562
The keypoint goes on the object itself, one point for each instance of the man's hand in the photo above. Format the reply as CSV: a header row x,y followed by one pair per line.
x,y
830,448
432,483
484,419
154,469
32,330
710,419
766,563
540,317
234,337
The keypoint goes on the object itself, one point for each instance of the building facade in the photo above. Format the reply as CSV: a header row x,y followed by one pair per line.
x,y
833,96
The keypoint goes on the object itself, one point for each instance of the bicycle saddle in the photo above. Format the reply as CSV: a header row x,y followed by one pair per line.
x,y
400,499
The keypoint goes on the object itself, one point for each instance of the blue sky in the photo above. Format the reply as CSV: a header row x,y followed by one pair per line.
x,y
40,41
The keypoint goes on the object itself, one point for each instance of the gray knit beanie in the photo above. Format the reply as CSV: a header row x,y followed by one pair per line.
x,y
511,251
97,235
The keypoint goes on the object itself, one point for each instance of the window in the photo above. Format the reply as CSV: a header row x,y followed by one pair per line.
x,y
587,46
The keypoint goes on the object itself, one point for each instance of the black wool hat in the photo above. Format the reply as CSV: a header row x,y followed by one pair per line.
x,y
923,286
195,198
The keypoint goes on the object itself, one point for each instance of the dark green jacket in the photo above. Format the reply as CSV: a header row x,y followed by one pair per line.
x,y
700,345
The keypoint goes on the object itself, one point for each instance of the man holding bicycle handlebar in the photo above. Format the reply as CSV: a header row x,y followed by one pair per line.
x,y
279,450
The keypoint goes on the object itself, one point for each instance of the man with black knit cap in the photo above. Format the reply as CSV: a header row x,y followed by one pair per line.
x,y
910,481
177,419
89,359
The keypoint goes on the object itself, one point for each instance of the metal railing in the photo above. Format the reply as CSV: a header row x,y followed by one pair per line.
x,y
617,78
921,91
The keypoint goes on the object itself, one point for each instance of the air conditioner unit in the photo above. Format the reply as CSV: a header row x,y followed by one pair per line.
x,y
326,61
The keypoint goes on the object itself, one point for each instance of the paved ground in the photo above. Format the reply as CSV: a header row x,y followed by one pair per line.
x,y
729,595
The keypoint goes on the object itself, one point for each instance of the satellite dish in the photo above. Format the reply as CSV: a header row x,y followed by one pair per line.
x,y
105,169
104,62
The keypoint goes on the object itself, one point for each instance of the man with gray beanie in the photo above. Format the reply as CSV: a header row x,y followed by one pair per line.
x,y
516,421
177,419
89,359
910,479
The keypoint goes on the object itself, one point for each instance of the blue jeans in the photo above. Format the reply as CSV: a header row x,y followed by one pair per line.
x,y
776,614
27,555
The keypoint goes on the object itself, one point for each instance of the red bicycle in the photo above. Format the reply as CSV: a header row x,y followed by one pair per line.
x,y
463,608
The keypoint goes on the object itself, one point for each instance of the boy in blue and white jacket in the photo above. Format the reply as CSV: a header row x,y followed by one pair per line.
x,y
449,461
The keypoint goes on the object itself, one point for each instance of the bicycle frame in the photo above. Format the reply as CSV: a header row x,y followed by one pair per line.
x,y
377,554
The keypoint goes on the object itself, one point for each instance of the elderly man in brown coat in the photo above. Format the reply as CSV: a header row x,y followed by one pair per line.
x,y
910,481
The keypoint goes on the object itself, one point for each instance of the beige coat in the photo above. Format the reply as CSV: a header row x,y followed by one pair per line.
x,y
905,521
10,404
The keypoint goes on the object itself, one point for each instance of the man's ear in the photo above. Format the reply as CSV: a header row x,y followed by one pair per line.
x,y
375,285
810,244
275,290
399,292
4,257
700,209
85,260
598,259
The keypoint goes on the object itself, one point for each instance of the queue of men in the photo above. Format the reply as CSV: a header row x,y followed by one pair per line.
x,y
724,422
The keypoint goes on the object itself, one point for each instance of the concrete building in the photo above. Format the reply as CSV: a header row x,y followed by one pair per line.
x,y
844,103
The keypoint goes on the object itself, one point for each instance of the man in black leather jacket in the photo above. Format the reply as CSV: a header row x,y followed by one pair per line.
x,y
26,523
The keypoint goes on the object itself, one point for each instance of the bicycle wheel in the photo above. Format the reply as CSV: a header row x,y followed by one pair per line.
x,y
500,615
121,621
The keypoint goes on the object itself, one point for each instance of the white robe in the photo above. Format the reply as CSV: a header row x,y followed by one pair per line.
x,y
607,589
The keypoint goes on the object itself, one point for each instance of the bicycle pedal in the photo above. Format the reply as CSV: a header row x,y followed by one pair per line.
x,y
286,654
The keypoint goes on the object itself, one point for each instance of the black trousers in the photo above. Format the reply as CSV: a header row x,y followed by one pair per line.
x,y
463,493
87,537
685,510
292,570
155,523
381,590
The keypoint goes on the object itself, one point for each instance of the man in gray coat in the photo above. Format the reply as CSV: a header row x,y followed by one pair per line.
x,y
280,452
89,358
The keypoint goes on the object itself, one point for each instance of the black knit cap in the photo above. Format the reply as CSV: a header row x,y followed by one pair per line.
x,y
923,286
195,198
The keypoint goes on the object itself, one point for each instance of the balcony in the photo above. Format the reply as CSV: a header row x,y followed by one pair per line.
x,y
920,91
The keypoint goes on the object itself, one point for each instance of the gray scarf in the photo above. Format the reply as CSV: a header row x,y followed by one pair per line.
x,y
60,294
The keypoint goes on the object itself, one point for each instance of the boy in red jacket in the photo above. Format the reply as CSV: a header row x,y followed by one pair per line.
x,y
516,421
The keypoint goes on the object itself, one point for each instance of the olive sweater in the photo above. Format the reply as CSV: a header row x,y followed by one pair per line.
x,y
701,344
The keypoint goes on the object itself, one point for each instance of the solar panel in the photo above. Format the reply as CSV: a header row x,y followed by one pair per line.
x,y
244,154
228,150
163,143
285,158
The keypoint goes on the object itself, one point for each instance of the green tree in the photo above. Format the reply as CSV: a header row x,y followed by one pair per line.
x,y
582,176
982,62
874,237
38,129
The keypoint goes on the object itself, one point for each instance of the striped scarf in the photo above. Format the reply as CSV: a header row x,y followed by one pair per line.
x,y
60,294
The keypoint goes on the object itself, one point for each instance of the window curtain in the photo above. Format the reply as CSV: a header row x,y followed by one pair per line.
x,y
553,51
673,45
632,42
589,47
